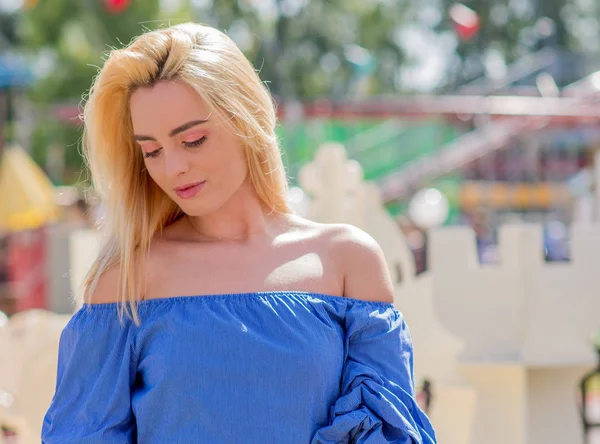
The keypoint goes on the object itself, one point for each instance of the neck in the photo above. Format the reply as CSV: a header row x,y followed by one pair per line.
x,y
243,217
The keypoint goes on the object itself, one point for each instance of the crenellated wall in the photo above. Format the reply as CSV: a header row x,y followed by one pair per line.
x,y
521,310
525,326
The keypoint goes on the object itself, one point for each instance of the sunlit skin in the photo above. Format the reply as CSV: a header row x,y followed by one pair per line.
x,y
228,242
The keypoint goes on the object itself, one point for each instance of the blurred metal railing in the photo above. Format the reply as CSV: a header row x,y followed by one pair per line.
x,y
521,114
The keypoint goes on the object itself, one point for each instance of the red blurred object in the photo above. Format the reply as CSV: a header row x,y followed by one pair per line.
x,y
466,21
27,273
117,6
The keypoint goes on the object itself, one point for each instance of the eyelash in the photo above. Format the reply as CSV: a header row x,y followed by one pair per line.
x,y
193,144
152,153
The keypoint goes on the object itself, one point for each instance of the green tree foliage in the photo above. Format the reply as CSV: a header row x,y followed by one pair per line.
x,y
76,35
308,49
511,29
66,42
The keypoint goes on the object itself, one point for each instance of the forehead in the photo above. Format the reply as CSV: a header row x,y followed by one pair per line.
x,y
166,105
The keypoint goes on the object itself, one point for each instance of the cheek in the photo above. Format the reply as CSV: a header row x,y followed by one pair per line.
x,y
236,168
236,159
223,159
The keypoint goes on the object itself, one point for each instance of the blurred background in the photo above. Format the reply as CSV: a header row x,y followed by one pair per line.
x,y
474,114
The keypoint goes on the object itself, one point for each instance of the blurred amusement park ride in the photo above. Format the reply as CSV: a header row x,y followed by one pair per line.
x,y
522,147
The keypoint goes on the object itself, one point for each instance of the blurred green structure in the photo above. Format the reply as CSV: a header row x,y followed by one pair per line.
x,y
379,145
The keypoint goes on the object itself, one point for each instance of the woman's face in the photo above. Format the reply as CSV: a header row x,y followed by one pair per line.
x,y
190,152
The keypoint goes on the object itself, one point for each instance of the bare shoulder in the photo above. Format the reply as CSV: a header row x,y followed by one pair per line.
x,y
106,289
360,260
155,261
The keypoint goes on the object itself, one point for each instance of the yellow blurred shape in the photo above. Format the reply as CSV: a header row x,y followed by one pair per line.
x,y
503,195
27,197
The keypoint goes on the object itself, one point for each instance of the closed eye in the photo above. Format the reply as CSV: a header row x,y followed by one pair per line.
x,y
195,143
152,153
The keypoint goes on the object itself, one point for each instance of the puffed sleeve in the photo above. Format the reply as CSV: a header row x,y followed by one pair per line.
x,y
377,402
96,370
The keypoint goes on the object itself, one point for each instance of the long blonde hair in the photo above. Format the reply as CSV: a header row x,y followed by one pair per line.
x,y
136,208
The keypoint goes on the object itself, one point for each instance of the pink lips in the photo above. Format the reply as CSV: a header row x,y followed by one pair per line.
x,y
190,190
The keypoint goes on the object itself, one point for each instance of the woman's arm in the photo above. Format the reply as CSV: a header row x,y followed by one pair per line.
x,y
377,401
96,370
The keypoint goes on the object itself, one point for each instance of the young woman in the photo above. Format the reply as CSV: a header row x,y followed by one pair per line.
x,y
213,314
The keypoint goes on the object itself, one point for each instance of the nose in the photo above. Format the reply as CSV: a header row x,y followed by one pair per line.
x,y
175,163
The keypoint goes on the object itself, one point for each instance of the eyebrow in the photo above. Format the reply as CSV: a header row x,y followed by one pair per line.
x,y
186,126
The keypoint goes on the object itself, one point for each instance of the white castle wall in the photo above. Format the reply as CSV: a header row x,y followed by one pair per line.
x,y
548,312
526,322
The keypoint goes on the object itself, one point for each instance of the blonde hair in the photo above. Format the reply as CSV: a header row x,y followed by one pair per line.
x,y
136,208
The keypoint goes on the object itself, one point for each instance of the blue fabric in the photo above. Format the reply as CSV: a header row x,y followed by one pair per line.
x,y
273,367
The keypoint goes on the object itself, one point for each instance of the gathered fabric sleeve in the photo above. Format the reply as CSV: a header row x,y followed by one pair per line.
x,y
96,370
377,402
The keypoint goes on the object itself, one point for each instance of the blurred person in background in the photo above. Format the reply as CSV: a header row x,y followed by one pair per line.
x,y
213,314
79,214
6,300
76,212
479,221
417,242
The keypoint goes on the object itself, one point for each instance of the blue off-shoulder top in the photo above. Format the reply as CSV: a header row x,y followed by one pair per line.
x,y
272,367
